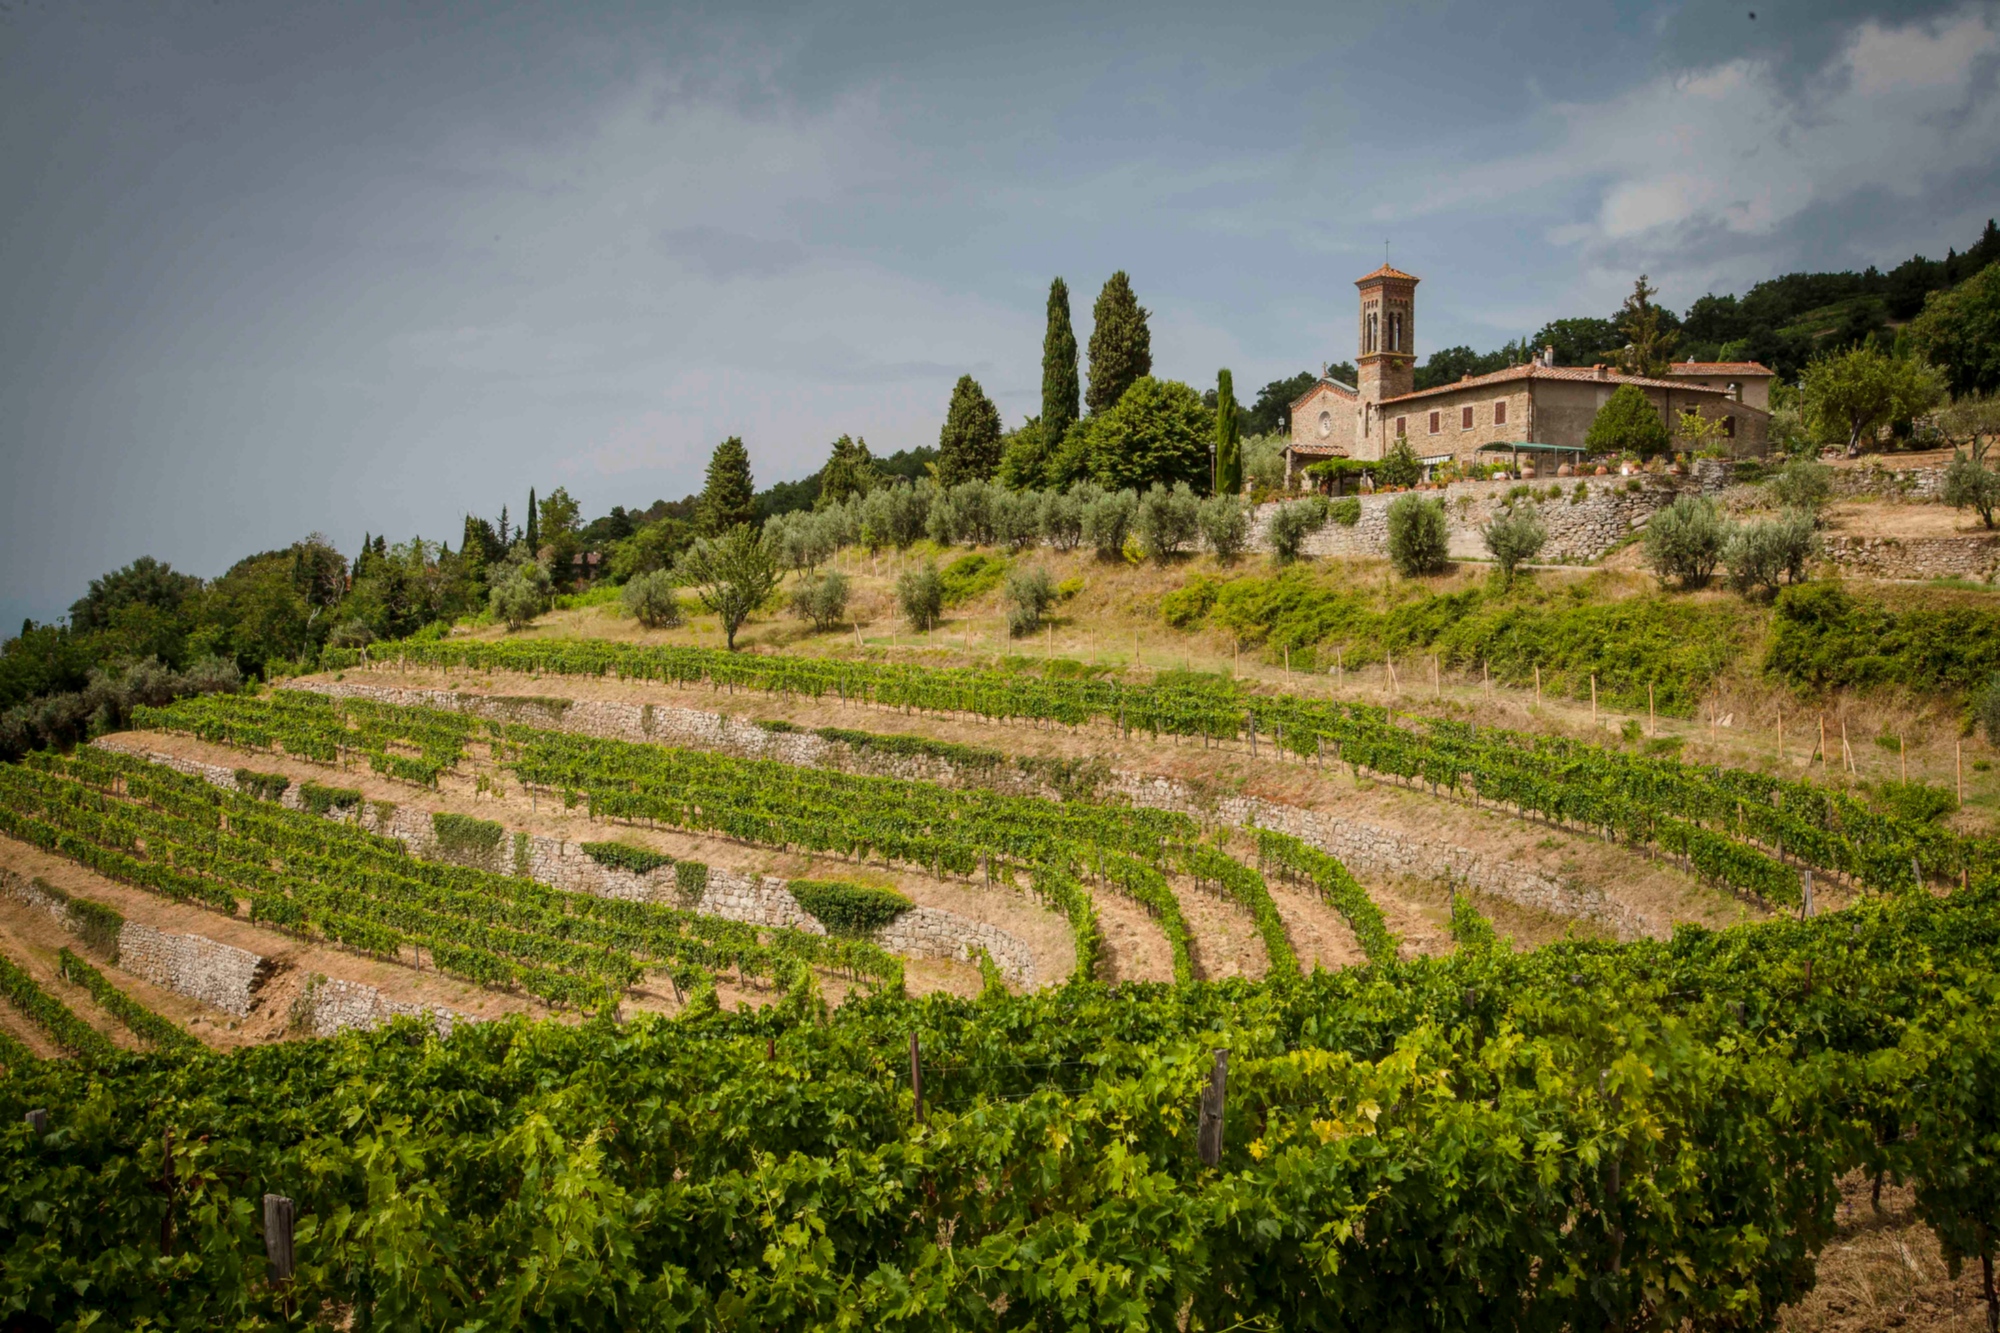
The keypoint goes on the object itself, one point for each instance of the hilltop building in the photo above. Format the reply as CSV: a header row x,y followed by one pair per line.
x,y
1538,403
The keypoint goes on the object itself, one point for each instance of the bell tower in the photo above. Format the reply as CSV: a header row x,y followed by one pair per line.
x,y
1387,364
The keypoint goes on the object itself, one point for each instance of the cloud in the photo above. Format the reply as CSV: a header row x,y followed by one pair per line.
x,y
1734,152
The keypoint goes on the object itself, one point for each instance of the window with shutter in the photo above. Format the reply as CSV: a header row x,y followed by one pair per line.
x,y
1465,418
1435,424
1401,422
1500,413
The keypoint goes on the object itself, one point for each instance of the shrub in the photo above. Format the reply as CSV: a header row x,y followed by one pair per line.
x,y
690,881
1106,521
1987,710
621,856
849,909
1684,541
520,594
1062,518
821,599
263,786
1916,801
1188,605
1628,423
1016,518
353,633
1167,520
1970,483
1825,637
649,599
1418,539
920,594
1580,494
1292,523
466,840
1225,525
1517,535
1803,484
1029,592
1346,512
1400,466
1765,554
971,575
321,799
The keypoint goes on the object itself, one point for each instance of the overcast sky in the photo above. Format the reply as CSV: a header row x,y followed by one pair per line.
x,y
267,269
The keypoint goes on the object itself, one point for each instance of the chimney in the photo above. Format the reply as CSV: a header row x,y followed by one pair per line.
x,y
1600,371
1549,354
1466,376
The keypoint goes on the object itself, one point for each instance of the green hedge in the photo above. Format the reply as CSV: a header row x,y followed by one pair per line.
x,y
465,839
620,856
264,786
849,909
321,799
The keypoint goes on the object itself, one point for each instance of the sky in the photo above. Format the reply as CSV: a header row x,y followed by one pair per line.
x,y
268,269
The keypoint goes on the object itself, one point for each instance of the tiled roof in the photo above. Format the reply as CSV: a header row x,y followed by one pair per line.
x,y
1721,368
1345,391
1323,450
1386,272
1579,373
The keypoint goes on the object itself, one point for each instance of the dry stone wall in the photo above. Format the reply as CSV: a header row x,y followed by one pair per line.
x,y
1363,847
1580,530
329,1007
1970,557
1921,484
759,900
202,969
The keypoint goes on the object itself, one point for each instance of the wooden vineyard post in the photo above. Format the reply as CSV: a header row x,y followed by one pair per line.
x,y
1437,683
917,1077
1593,698
1288,659
1958,761
1339,666
1903,758
1806,903
1652,718
1486,676
1208,1137
1781,733
1538,682
278,1217
37,1120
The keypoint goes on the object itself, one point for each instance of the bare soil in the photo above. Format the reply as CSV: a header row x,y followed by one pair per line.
x,y
1886,518
1886,1271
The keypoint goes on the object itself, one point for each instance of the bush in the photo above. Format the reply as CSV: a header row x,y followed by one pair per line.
x,y
1346,512
1016,517
1418,538
621,856
1628,423
1167,520
821,599
1062,518
1986,711
1292,523
1029,592
1516,536
1684,541
1970,483
1918,802
351,634
1765,554
521,594
1399,466
849,909
466,840
1106,521
1188,605
1225,525
1824,637
263,786
649,599
1801,484
970,575
920,595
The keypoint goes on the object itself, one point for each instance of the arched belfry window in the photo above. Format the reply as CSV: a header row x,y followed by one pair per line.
x,y
1395,331
1368,339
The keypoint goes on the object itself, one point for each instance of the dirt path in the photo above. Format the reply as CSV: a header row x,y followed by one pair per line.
x,y
32,946
1320,936
1225,942
1015,911
1135,948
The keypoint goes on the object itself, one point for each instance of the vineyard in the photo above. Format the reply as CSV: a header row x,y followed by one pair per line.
x,y
1751,833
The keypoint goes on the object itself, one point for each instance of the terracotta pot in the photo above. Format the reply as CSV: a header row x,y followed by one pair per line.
x,y
1603,471
1565,471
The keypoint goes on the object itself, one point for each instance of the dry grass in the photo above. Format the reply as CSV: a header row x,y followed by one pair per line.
x,y
1885,1271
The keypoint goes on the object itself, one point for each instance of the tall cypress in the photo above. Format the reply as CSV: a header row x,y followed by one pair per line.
x,y
729,496
504,543
534,525
969,444
1061,390
1228,452
1121,346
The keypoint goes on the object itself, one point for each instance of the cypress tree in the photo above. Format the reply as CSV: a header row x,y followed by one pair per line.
x,y
534,533
969,444
1228,452
1121,346
1061,391
729,496
504,543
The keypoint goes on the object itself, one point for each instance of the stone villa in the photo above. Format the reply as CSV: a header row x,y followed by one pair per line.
x,y
1538,403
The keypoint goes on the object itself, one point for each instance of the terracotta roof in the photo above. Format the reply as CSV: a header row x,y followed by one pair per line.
x,y
1586,374
1323,450
1721,368
1386,272
1343,390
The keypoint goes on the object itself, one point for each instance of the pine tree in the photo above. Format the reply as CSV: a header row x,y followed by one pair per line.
x,y
730,496
534,533
1061,391
849,470
1121,346
1228,452
1649,342
504,543
969,444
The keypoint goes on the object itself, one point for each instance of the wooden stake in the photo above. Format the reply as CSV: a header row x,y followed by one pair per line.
x,y
1593,698
1208,1137
37,1120
1847,754
278,1215
1652,720
1486,675
1437,686
1903,758
1339,666
917,1078
1822,744
1781,733
1958,759
1288,659
1538,682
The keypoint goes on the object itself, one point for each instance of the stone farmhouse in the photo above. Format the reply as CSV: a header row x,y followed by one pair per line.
x,y
1538,403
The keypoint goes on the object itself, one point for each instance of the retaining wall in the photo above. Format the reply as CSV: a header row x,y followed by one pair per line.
x,y
328,1007
217,974
1363,847
1970,557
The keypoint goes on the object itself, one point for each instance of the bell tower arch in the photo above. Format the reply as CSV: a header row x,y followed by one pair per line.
x,y
1386,366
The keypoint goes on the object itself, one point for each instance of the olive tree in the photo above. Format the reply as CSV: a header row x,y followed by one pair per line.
x,y
1225,525
920,594
650,600
1684,541
1419,541
1167,520
731,575
1514,537
821,599
1029,592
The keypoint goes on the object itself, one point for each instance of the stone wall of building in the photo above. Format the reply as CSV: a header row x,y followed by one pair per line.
x,y
328,1007
1580,530
1970,557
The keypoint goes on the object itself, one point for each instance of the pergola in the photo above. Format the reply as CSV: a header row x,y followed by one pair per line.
x,y
1562,453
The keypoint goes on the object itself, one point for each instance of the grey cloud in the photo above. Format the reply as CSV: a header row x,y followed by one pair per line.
x,y
724,255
